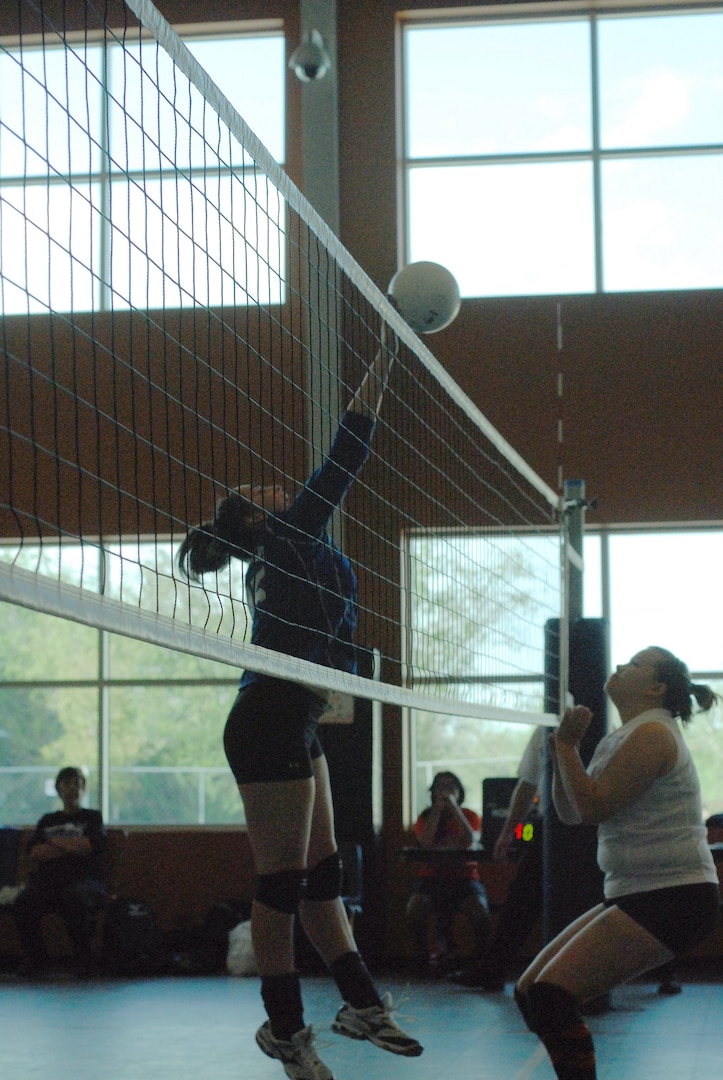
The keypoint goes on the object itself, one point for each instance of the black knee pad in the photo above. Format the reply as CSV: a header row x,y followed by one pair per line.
x,y
281,891
325,879
550,1009
523,1005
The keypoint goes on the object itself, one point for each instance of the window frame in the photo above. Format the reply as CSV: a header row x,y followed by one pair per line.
x,y
419,771
104,683
597,155
92,190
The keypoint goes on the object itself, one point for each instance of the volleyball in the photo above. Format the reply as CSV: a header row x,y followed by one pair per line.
x,y
427,295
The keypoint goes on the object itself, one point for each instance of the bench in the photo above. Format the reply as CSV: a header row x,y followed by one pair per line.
x,y
180,873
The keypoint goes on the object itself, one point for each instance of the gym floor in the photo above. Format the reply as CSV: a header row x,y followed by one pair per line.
x,y
203,1029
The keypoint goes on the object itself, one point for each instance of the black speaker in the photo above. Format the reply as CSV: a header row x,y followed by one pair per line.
x,y
348,749
496,796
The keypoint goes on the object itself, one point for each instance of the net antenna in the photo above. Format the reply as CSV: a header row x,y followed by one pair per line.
x,y
177,321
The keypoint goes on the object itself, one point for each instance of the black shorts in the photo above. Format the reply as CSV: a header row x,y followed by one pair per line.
x,y
681,917
271,732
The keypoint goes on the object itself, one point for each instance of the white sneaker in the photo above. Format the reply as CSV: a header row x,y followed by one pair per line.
x,y
376,1025
300,1060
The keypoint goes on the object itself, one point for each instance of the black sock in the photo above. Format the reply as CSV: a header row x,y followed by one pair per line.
x,y
281,995
571,1052
354,981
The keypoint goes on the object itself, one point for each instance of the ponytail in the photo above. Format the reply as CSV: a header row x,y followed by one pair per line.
x,y
679,689
703,694
211,546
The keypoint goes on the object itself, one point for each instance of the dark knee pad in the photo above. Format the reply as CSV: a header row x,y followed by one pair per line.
x,y
325,879
550,1009
523,1005
281,891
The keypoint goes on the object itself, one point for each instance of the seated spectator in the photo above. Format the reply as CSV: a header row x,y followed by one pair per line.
x,y
66,876
449,887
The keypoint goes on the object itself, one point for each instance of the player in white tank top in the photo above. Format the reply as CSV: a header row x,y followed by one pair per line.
x,y
661,886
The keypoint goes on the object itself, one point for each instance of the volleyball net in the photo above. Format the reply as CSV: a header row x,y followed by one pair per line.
x,y
178,321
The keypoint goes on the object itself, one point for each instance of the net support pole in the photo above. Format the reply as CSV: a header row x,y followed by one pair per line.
x,y
574,509
320,118
320,185
572,881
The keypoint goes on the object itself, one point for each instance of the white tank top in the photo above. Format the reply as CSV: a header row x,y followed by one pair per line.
x,y
660,840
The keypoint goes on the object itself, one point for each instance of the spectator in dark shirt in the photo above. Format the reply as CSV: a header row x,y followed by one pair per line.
x,y
66,854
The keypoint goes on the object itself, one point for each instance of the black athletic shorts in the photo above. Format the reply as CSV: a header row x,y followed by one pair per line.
x,y
681,917
271,732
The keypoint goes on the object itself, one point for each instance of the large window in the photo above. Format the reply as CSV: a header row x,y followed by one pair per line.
x,y
93,141
654,587
479,606
143,722
147,721
565,153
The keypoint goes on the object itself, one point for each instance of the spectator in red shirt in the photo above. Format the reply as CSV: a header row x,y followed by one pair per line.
x,y
448,887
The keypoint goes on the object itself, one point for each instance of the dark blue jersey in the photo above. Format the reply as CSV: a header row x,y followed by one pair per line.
x,y
301,588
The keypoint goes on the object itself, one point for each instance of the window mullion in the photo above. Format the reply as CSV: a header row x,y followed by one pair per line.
x,y
104,238
596,168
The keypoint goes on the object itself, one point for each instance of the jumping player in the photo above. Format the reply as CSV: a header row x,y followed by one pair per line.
x,y
303,594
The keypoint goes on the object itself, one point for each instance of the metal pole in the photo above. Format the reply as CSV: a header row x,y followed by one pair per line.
x,y
575,504
320,185
572,879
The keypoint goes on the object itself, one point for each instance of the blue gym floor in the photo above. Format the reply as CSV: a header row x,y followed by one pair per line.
x,y
203,1029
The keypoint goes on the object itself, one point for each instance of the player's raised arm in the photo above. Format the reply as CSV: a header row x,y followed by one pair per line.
x,y
368,397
